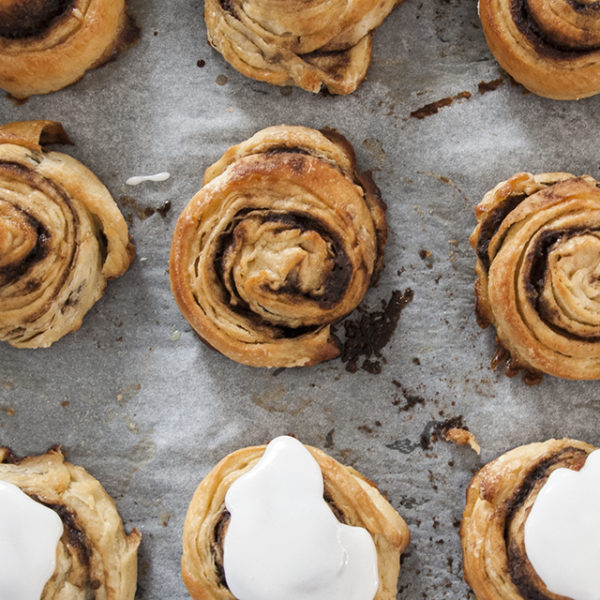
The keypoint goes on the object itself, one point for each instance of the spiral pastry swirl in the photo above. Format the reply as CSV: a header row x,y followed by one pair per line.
x,y
552,47
538,264
309,44
283,240
353,499
95,558
499,500
46,45
61,237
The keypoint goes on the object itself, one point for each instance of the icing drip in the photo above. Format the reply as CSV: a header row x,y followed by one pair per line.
x,y
562,532
283,540
29,534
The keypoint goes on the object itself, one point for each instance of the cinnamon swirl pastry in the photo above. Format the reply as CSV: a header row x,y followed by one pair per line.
x,y
309,44
538,265
94,557
47,44
316,508
499,502
283,240
61,237
552,47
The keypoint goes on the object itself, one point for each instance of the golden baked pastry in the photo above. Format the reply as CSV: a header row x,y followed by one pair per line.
x,y
47,44
95,558
552,47
499,500
283,240
61,237
537,242
353,499
305,43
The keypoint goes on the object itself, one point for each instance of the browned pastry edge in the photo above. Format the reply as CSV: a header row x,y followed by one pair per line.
x,y
498,501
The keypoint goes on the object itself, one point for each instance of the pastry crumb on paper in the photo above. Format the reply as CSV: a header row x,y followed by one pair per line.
x,y
462,437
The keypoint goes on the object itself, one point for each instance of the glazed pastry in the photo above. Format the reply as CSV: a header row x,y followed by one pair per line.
x,y
47,44
305,43
61,237
537,242
283,240
500,498
552,47
311,500
93,558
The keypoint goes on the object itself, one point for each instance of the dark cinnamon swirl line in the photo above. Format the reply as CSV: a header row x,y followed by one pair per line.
x,y
535,273
543,43
521,571
335,285
40,251
492,223
32,18
581,7
11,272
78,540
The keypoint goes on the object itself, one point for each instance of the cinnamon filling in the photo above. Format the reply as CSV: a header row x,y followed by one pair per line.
x,y
544,44
536,273
521,571
335,285
13,272
492,223
29,18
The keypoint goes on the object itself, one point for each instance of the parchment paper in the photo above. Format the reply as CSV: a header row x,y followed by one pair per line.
x,y
135,398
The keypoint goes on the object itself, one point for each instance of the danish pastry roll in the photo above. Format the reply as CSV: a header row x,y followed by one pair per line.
x,y
552,47
288,521
61,537
537,242
282,241
61,237
47,44
306,43
524,510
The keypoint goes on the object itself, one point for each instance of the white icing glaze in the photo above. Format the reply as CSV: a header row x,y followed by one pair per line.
x,y
562,532
141,178
29,534
283,540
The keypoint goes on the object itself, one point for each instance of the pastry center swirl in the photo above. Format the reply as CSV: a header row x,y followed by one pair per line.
x,y
561,29
273,263
27,18
23,241
564,282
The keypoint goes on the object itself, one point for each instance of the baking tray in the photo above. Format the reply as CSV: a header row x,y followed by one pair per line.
x,y
136,398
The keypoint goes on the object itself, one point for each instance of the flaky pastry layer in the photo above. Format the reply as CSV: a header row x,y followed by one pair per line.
x,y
61,237
537,242
552,47
282,241
307,43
